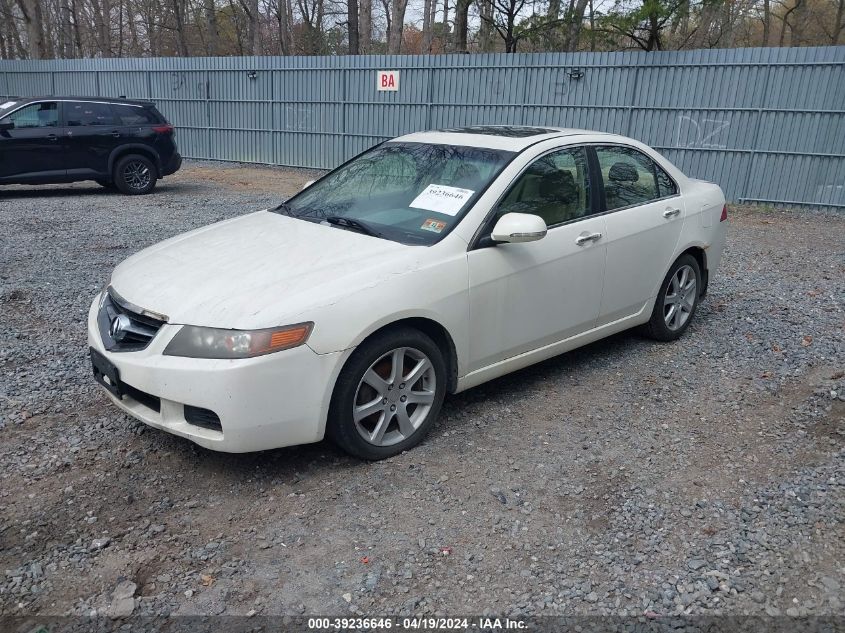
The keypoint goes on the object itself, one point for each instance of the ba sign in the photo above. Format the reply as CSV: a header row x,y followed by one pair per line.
x,y
387,80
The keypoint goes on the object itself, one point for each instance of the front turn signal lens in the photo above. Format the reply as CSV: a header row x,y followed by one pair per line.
x,y
205,342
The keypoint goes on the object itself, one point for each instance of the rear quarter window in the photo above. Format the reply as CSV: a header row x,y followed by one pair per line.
x,y
135,115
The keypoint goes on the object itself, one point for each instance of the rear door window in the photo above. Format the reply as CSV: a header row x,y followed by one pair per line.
x,y
629,176
81,113
134,115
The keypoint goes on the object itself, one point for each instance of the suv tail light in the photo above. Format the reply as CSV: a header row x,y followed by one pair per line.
x,y
724,215
163,129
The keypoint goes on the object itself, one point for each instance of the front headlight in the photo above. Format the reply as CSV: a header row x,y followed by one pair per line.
x,y
207,342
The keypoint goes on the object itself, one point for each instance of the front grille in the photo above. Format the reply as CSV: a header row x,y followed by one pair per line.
x,y
202,417
134,330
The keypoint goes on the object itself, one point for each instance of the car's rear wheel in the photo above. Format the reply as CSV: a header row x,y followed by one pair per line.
x,y
388,395
135,174
677,300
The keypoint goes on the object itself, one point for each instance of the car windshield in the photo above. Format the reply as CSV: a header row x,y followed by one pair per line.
x,y
412,193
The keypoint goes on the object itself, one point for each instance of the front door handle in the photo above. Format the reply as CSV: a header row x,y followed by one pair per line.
x,y
52,137
115,133
670,212
583,239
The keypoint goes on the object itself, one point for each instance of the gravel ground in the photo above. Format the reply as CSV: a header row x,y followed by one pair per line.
x,y
702,476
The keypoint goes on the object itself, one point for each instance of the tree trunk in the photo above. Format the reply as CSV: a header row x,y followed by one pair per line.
x,y
461,25
352,19
767,21
32,17
576,22
485,30
180,28
726,37
799,24
840,23
705,22
397,21
446,31
365,26
212,41
388,26
428,25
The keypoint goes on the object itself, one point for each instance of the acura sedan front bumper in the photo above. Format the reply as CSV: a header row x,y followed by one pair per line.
x,y
235,406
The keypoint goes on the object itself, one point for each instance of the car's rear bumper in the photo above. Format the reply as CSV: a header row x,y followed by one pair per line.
x,y
172,166
266,402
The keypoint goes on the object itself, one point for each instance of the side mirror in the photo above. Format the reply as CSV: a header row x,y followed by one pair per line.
x,y
307,184
519,227
6,125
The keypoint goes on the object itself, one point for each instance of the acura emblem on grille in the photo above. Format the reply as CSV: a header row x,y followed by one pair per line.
x,y
119,327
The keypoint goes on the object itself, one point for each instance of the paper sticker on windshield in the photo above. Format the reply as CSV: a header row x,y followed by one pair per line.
x,y
7,105
435,226
442,198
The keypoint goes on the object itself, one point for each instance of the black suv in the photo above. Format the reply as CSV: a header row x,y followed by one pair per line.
x,y
116,142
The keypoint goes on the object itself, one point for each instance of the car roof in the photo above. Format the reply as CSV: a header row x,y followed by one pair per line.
x,y
136,102
506,137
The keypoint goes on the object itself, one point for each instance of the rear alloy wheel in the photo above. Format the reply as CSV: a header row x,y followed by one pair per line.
x,y
135,175
677,300
388,395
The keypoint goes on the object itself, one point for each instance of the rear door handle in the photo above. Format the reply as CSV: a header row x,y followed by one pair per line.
x,y
115,133
670,212
52,137
583,239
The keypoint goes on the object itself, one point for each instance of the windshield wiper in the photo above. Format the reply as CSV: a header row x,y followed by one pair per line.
x,y
351,223
284,209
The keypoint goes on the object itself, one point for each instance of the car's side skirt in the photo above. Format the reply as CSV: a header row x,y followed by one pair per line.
x,y
514,363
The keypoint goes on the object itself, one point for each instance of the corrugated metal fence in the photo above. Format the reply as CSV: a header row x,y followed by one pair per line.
x,y
767,124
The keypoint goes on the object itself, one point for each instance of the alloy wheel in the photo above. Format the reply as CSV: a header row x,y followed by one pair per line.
x,y
394,397
137,175
679,298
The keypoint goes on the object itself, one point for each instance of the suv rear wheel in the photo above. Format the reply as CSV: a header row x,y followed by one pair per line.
x,y
135,174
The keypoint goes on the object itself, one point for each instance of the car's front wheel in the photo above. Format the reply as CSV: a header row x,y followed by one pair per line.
x,y
135,174
388,395
676,301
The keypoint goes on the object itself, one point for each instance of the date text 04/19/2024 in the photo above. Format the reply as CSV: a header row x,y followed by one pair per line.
x,y
417,624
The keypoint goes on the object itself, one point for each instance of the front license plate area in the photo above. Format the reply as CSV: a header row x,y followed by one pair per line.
x,y
105,373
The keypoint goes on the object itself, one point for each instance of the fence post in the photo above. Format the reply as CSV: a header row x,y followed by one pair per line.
x,y
430,94
633,101
751,159
345,72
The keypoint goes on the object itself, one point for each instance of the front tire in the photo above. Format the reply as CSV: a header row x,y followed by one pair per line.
x,y
388,395
135,175
677,300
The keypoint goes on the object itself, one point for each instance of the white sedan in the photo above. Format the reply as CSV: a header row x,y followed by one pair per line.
x,y
425,266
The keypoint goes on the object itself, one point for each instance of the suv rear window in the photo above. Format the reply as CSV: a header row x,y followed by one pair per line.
x,y
85,113
135,115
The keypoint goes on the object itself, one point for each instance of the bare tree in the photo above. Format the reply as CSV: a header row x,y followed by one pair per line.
x,y
397,19
365,25
429,9
32,17
461,24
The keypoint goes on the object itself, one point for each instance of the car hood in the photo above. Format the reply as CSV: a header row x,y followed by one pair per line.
x,y
253,271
